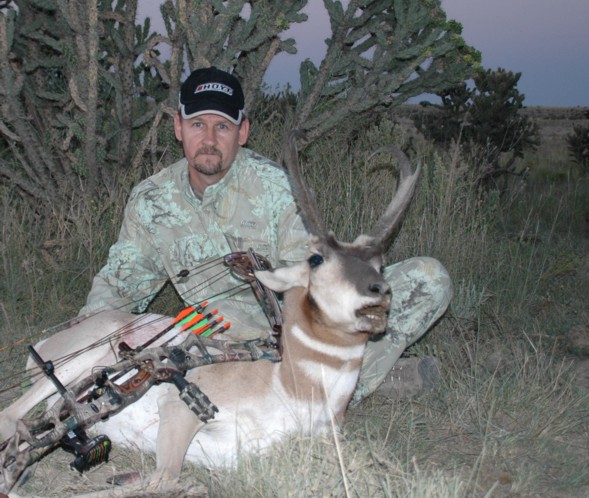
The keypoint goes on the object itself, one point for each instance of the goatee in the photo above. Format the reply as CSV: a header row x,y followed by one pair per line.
x,y
208,167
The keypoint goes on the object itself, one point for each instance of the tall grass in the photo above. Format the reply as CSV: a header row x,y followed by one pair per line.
x,y
508,418
48,261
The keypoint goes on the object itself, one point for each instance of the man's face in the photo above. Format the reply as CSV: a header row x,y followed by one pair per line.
x,y
210,144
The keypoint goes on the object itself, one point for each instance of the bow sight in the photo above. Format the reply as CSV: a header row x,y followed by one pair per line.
x,y
87,451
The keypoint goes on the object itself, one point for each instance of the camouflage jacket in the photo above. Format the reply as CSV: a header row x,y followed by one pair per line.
x,y
167,229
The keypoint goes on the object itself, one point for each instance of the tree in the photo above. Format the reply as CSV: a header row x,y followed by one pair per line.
x,y
86,93
486,120
578,143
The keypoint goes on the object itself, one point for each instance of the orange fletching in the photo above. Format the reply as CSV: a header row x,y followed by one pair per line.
x,y
184,313
193,321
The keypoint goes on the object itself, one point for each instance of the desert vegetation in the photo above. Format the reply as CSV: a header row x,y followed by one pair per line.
x,y
510,416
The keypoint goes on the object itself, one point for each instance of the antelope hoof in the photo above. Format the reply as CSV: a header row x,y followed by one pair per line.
x,y
125,479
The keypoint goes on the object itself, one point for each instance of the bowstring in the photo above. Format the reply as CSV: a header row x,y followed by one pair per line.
x,y
156,284
127,328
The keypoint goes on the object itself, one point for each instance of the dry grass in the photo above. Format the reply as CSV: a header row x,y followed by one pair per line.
x,y
509,418
521,431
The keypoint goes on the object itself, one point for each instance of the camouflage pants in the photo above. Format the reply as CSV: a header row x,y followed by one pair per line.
x,y
421,293
422,290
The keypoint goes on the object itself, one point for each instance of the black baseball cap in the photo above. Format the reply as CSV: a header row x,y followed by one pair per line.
x,y
212,91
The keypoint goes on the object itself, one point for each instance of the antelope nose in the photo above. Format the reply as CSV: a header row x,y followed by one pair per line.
x,y
381,288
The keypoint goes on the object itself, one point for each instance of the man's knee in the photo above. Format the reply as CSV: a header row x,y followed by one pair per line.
x,y
422,290
420,275
438,278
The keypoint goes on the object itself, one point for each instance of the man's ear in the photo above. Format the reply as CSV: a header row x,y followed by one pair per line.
x,y
244,131
178,126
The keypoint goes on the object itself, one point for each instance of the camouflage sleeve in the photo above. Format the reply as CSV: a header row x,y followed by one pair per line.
x,y
293,238
271,198
133,273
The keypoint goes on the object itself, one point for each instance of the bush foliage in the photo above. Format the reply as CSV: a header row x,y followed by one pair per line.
x,y
578,144
486,120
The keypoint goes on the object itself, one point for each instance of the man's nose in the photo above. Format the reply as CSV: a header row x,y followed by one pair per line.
x,y
210,137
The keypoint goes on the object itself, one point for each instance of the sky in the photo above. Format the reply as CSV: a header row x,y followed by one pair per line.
x,y
545,40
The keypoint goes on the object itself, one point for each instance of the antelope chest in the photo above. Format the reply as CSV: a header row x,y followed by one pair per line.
x,y
252,424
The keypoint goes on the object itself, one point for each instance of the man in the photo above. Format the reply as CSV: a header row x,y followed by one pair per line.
x,y
222,197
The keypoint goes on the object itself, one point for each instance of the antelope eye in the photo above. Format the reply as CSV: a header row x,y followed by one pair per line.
x,y
315,260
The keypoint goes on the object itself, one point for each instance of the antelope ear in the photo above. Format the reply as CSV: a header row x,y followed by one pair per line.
x,y
285,278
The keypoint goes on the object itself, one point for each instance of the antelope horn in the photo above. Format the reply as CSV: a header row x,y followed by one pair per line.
x,y
303,195
391,219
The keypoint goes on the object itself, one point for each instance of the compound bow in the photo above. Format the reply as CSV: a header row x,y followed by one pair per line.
x,y
109,390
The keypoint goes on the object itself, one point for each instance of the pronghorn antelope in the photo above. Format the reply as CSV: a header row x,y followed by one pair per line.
x,y
333,303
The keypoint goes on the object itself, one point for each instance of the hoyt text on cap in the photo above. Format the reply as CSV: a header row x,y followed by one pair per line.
x,y
212,91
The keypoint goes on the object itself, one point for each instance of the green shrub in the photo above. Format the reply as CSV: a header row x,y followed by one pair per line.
x,y
486,121
578,144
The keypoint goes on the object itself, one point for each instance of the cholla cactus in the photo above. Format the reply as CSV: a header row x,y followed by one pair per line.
x,y
380,54
85,93
68,90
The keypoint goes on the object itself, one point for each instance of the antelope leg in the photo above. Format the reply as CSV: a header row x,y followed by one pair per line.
x,y
178,426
